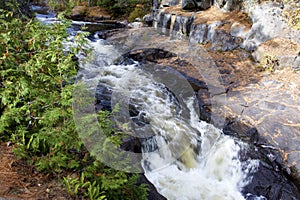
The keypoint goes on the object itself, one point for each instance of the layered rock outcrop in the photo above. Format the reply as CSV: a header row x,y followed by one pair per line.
x,y
248,26
268,102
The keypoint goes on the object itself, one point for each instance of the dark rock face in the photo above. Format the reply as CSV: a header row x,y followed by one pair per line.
x,y
185,27
203,4
148,55
153,194
108,33
148,20
188,5
220,39
105,26
196,4
271,179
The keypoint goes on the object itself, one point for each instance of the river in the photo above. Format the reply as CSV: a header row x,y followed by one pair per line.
x,y
184,157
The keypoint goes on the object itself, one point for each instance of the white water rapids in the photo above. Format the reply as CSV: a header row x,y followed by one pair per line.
x,y
184,158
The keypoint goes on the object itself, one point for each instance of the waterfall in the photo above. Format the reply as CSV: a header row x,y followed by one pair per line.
x,y
184,158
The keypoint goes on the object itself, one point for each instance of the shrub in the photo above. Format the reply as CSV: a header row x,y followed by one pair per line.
x,y
36,85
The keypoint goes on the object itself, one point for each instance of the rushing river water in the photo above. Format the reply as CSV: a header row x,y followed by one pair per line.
x,y
184,157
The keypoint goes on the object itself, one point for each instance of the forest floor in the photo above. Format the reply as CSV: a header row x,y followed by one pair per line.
x,y
19,180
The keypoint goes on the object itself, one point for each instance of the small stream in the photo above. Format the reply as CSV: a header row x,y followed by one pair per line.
x,y
185,158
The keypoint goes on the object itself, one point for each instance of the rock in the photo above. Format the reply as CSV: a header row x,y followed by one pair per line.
x,y
107,33
103,29
78,12
167,3
135,25
148,20
271,106
223,31
228,5
272,180
39,9
203,4
287,52
196,4
181,26
188,5
219,39
148,55
238,29
268,22
137,19
153,194
103,98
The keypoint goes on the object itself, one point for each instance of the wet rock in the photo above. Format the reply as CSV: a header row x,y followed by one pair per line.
x,y
148,55
131,144
108,33
101,27
39,9
153,194
103,98
223,31
270,180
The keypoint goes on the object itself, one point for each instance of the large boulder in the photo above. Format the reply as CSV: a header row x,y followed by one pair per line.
x,y
268,22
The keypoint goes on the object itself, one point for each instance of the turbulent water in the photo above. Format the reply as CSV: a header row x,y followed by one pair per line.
x,y
183,157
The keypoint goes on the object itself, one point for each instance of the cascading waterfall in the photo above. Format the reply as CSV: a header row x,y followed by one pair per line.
x,y
183,157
